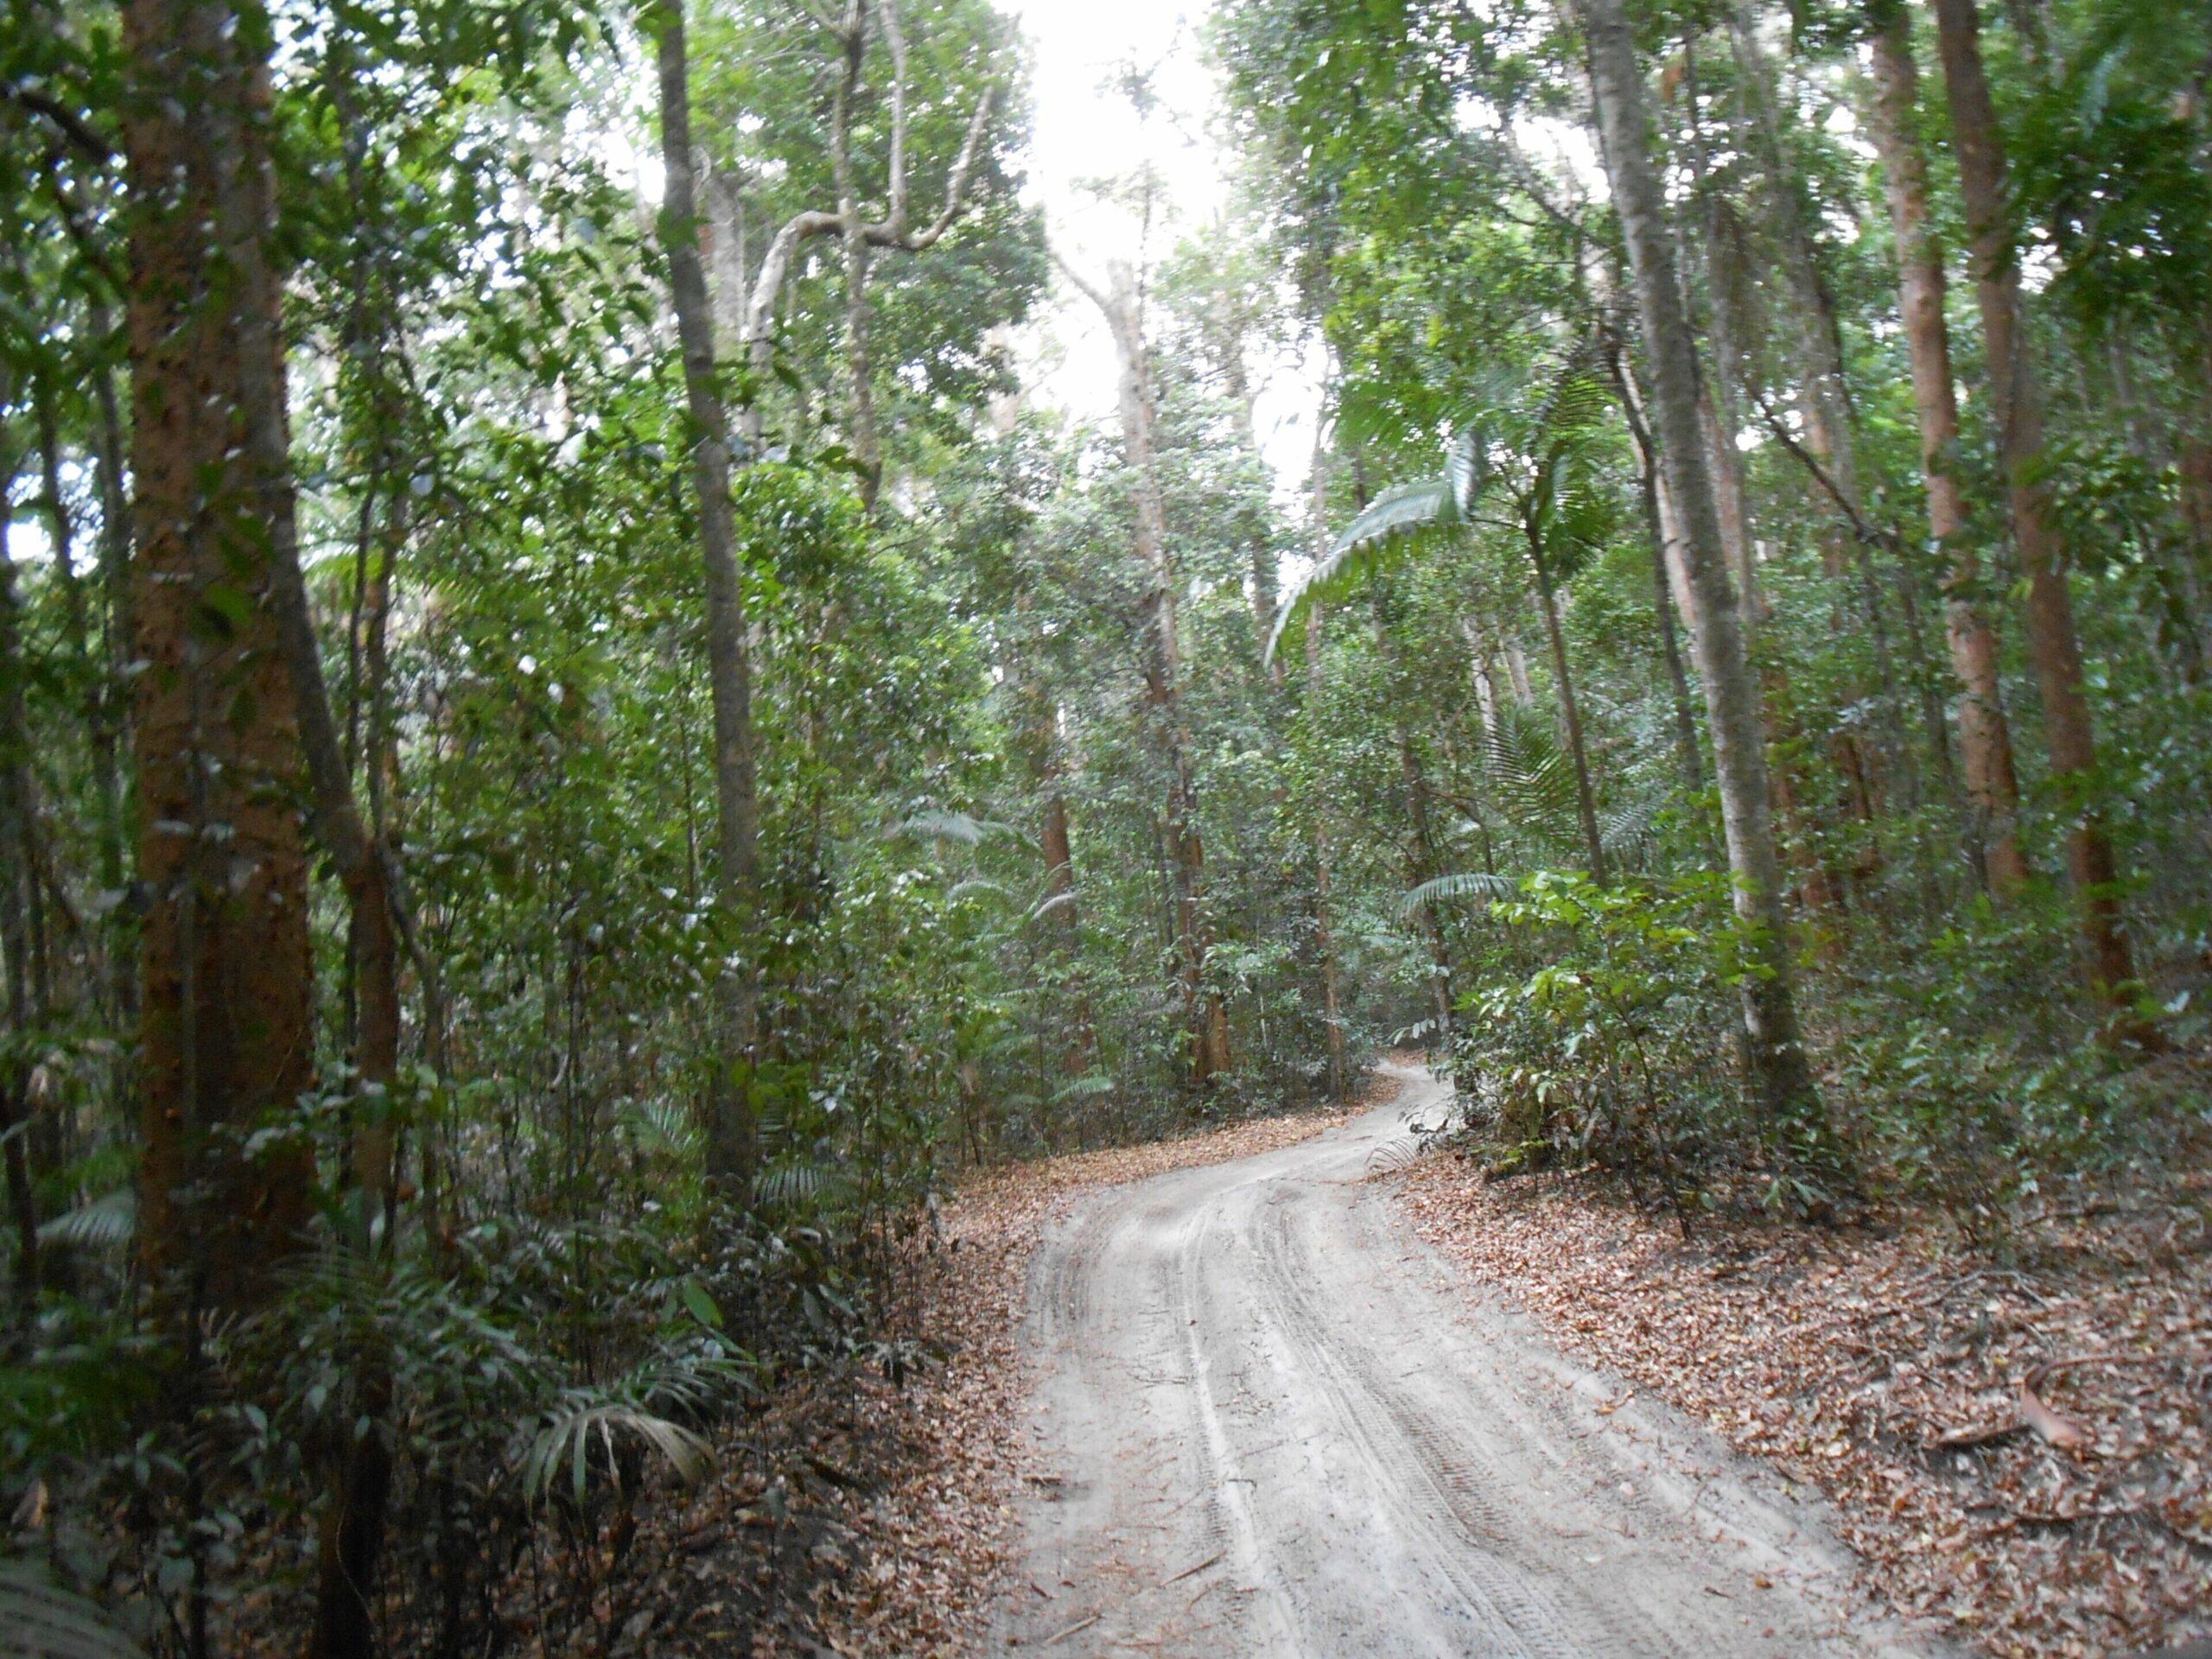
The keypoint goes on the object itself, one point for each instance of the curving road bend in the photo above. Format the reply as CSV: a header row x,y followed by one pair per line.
x,y
1266,1421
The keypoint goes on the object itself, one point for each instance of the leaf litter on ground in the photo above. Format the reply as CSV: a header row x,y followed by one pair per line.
x,y
2018,1452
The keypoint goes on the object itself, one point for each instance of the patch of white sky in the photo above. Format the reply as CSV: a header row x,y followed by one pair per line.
x,y
1089,146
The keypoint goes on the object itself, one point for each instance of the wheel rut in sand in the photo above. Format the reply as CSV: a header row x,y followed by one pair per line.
x,y
1266,1421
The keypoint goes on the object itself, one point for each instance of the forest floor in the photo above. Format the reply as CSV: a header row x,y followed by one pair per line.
x,y
2071,1511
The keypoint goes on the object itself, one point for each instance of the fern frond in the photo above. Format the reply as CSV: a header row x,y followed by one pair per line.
x,y
1084,1088
948,826
1529,775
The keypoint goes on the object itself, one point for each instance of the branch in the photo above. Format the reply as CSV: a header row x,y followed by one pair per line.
x,y
894,38
776,265
1865,531
1085,288
893,233
73,126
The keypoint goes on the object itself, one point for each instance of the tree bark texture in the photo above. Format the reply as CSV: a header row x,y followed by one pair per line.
x,y
2053,644
732,1152
1781,1078
1206,1017
226,1021
1985,740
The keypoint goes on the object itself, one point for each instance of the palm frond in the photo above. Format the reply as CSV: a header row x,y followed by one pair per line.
x,y
570,1434
1084,1088
948,826
1465,884
1371,542
799,1181
45,1622
661,1126
105,1223
1529,773
976,885
1623,829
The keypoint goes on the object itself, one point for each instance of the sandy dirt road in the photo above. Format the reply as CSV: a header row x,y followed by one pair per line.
x,y
1268,1422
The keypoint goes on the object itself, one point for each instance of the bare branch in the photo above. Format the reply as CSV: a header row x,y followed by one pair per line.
x,y
72,126
1083,287
1865,532
956,191
894,38
776,265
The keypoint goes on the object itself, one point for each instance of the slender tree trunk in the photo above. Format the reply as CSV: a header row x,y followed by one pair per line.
x,y
1985,740
1781,1076
16,877
1324,933
1206,1015
2052,643
109,741
1422,866
1655,521
1586,800
227,1031
731,1139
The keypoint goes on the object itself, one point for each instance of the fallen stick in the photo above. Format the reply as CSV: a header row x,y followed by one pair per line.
x,y
1190,1572
1062,1636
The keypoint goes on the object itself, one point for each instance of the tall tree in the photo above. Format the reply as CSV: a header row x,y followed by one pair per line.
x,y
2053,643
1985,740
732,1150
227,1032
1781,1075
1206,1016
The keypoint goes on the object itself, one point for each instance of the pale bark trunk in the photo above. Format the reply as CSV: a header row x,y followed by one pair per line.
x,y
1985,740
732,1152
1780,1077
2052,643
1206,1016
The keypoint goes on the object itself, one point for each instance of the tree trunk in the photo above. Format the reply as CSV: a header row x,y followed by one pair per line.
x,y
1422,866
732,1140
17,875
1781,1078
2052,643
1324,935
1206,1017
1985,741
227,1031
1586,800
1656,526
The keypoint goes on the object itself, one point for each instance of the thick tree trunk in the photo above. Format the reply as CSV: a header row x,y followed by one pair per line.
x,y
226,1029
1780,1077
2052,643
1985,740
731,1139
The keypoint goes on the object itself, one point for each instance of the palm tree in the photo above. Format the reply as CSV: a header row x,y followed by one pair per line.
x,y
1536,460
